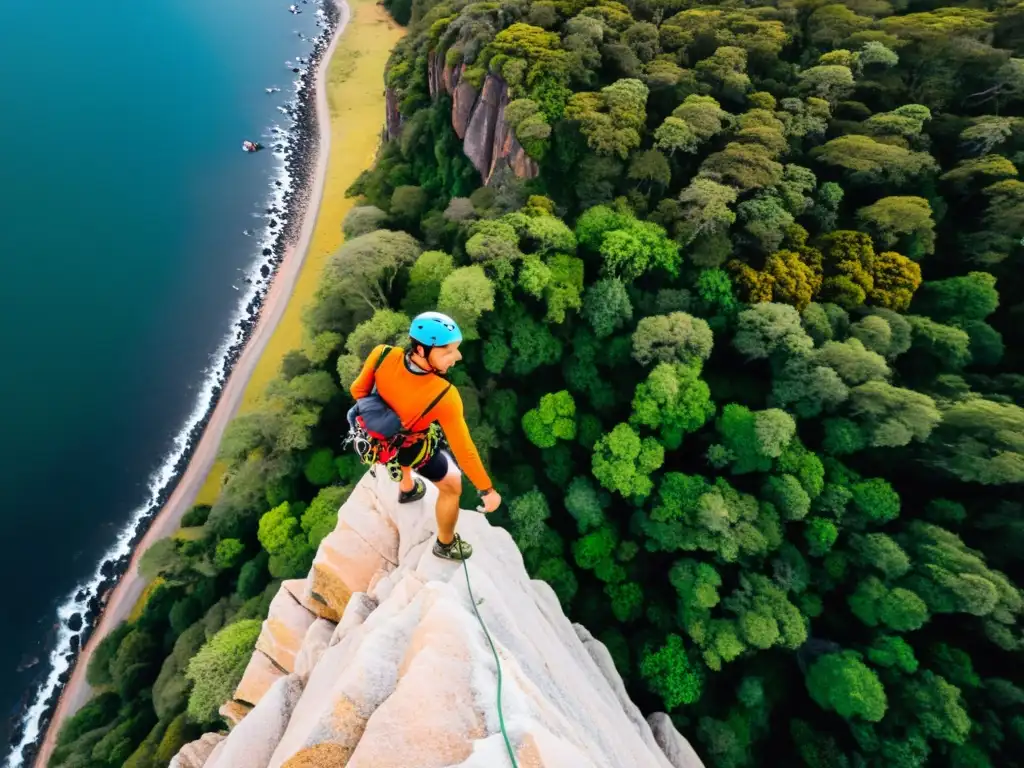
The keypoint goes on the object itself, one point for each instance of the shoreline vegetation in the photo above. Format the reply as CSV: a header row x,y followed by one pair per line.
x,y
357,53
750,388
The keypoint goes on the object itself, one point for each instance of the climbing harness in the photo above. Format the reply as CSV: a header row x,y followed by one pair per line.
x,y
382,447
497,661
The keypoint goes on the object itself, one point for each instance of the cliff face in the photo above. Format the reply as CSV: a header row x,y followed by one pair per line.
x,y
478,118
376,660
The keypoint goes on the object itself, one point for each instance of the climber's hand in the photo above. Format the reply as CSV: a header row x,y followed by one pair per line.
x,y
491,501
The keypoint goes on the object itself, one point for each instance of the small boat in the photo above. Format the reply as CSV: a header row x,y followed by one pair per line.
x,y
294,9
251,146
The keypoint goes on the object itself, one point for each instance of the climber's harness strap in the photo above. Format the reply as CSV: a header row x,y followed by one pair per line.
x,y
379,440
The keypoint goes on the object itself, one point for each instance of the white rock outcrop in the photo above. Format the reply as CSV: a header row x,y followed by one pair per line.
x,y
407,679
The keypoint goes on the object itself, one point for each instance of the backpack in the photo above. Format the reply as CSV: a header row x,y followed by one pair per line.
x,y
376,431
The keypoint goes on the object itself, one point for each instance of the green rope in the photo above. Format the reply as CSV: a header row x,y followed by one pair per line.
x,y
497,661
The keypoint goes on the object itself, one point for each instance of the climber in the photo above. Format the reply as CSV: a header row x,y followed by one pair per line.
x,y
403,403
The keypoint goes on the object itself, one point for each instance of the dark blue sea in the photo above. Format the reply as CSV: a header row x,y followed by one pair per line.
x,y
124,195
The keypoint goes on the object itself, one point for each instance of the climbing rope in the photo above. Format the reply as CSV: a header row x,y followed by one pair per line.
x,y
497,661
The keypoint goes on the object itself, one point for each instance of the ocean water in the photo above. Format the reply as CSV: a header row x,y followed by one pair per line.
x,y
124,194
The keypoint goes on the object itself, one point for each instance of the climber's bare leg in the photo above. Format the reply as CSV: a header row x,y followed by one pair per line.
x,y
449,489
406,483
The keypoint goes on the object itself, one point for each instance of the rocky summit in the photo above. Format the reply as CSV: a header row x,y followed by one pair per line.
x,y
377,659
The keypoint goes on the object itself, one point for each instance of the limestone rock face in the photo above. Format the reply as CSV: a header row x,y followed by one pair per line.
x,y
487,137
464,102
317,638
435,73
302,591
253,740
452,76
478,118
478,143
233,711
260,674
507,151
282,633
196,753
347,562
676,748
407,678
522,165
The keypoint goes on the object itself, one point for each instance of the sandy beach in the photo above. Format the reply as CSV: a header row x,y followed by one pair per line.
x,y
131,586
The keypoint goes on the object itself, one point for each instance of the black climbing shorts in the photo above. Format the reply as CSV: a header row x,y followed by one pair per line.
x,y
434,468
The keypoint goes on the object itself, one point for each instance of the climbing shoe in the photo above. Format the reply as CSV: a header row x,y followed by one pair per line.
x,y
457,550
419,490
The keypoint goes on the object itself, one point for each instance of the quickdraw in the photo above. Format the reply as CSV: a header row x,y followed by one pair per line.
x,y
373,450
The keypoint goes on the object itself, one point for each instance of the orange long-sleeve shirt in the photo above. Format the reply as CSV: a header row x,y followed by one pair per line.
x,y
409,393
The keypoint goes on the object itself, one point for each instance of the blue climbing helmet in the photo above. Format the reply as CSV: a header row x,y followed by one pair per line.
x,y
433,329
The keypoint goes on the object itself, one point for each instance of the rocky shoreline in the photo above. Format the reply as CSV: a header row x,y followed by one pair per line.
x,y
298,147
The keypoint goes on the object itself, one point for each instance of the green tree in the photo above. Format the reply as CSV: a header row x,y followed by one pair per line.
x,y
179,732
891,219
553,419
134,666
321,517
217,669
754,438
891,416
98,672
676,337
675,135
821,535
529,513
938,707
162,558
426,275
196,515
980,441
466,294
971,297
669,673
385,327
320,469
876,500
627,599
767,329
746,167
650,169
622,462
611,121
674,400
607,307
866,161
586,504
363,219
892,651
408,203
881,551
277,527
228,554
785,492
843,683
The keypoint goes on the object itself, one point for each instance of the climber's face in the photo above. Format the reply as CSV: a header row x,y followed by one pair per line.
x,y
443,358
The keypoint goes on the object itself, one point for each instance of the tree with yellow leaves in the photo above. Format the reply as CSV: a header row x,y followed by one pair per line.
x,y
896,278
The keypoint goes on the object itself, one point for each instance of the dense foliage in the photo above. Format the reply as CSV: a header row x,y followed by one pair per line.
x,y
743,360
